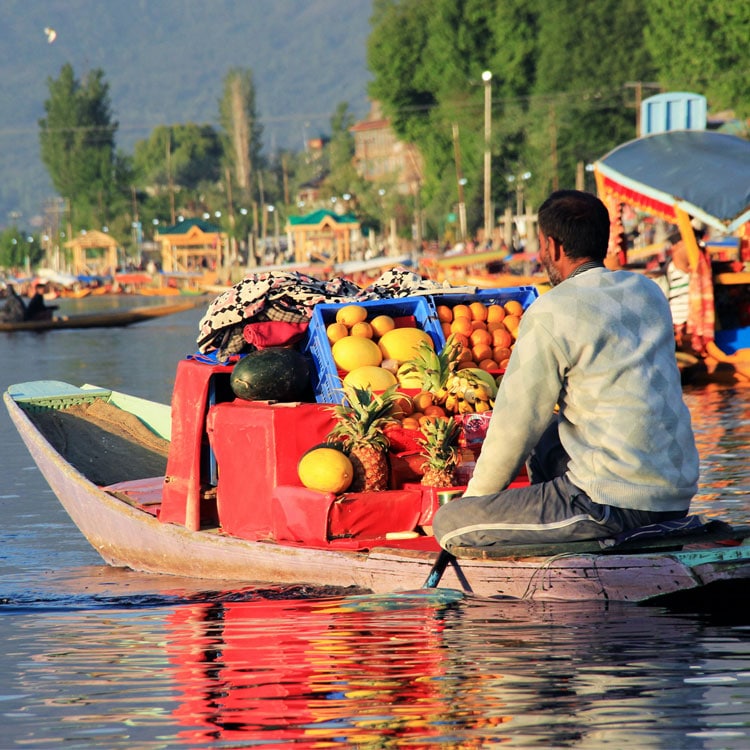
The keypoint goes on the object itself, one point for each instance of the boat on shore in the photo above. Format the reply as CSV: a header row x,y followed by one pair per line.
x,y
168,490
101,319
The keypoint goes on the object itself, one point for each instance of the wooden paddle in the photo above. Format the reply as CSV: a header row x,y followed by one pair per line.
x,y
438,569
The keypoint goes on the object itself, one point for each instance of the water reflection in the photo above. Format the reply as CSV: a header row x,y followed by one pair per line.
x,y
414,670
721,421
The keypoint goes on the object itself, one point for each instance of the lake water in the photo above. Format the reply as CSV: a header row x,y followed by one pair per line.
x,y
93,656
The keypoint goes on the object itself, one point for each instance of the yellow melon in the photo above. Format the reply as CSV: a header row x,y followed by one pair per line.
x,y
375,378
325,470
401,344
355,351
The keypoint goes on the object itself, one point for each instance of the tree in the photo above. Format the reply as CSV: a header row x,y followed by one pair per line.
x,y
77,139
582,107
701,46
17,248
242,130
184,156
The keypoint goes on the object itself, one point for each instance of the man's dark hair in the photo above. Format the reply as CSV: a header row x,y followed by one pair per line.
x,y
578,220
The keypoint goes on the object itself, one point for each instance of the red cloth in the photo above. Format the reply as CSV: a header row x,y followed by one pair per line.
x,y
273,333
701,315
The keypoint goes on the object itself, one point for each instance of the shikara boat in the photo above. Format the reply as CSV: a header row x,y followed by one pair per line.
x,y
208,488
102,319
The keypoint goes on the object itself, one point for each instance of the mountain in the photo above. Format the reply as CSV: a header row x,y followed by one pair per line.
x,y
165,61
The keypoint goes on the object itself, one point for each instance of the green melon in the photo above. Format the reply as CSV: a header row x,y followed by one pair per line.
x,y
272,374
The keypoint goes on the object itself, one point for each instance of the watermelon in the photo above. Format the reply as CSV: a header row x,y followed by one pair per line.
x,y
272,374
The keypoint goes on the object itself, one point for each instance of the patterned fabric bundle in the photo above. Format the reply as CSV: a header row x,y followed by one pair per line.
x,y
289,297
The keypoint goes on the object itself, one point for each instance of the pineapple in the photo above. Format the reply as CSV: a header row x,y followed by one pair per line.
x,y
434,369
441,451
362,418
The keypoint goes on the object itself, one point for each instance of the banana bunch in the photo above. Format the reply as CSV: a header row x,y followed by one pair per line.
x,y
469,390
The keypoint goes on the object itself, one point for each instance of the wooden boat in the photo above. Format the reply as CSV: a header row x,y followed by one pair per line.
x,y
170,490
102,319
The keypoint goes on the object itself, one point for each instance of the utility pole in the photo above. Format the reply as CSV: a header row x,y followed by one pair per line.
x,y
638,86
460,180
488,222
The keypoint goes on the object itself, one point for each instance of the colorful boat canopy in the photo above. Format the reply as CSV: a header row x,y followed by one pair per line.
x,y
703,173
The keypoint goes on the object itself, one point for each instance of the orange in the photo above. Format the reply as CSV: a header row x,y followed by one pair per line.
x,y
427,418
351,314
480,352
466,363
461,311
336,331
465,355
488,364
402,407
495,313
434,411
511,323
481,336
478,311
325,470
461,339
410,423
423,400
444,313
513,307
499,353
446,327
381,324
493,325
363,328
461,325
478,324
501,337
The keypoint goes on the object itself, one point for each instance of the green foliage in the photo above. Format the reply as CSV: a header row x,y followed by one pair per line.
x,y
188,155
557,99
16,248
77,139
701,46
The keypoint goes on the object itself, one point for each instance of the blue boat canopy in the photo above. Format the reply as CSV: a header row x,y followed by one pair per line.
x,y
703,173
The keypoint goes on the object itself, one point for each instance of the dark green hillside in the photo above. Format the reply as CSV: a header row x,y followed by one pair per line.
x,y
165,61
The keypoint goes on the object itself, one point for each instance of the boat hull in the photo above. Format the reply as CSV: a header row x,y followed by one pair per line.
x,y
111,319
127,535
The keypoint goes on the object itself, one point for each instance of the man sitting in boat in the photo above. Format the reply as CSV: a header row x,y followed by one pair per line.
x,y
37,308
13,309
598,348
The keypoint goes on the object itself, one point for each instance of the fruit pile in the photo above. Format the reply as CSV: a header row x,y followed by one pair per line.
x,y
486,333
370,351
460,379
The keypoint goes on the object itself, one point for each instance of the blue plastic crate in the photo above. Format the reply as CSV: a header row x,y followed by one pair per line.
x,y
325,378
523,294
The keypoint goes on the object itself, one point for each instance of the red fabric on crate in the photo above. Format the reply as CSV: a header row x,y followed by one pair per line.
x,y
318,519
273,333
258,447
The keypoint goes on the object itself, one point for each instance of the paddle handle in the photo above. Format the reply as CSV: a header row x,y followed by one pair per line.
x,y
438,569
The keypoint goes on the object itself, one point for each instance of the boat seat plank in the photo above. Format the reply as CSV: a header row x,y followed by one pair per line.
x,y
711,533
146,491
43,390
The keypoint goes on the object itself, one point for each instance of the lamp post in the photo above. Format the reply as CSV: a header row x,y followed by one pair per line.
x,y
487,78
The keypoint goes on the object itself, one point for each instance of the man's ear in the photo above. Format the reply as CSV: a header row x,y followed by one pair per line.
x,y
555,249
